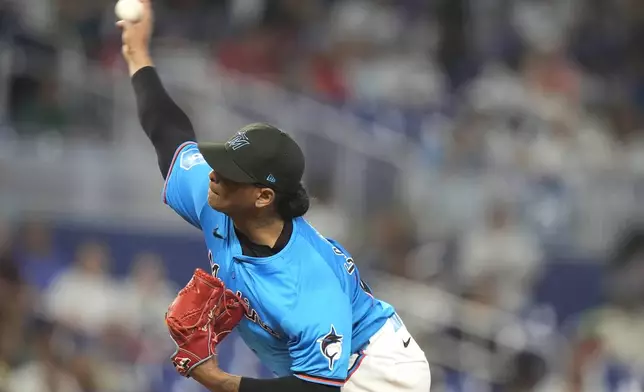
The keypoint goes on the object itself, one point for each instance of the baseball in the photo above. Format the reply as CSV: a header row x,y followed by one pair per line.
x,y
129,10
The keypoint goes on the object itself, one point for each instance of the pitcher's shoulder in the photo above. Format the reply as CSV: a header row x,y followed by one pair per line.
x,y
316,241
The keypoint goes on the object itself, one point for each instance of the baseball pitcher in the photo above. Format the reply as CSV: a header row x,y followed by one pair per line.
x,y
295,297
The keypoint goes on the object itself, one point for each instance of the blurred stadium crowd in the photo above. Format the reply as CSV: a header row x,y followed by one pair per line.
x,y
514,252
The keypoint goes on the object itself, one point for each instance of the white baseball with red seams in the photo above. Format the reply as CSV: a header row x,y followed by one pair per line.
x,y
129,10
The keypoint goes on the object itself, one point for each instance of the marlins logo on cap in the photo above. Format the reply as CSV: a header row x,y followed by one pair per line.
x,y
238,141
331,346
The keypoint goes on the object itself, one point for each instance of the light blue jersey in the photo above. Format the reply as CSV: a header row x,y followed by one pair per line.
x,y
309,309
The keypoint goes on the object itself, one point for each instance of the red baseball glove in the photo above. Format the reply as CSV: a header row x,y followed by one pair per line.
x,y
202,315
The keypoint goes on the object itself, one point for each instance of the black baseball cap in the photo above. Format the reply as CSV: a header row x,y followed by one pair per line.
x,y
258,154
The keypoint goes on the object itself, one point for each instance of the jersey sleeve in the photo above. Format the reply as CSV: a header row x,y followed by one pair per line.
x,y
319,330
186,186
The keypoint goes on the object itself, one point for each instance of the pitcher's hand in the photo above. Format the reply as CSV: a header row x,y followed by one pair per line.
x,y
136,39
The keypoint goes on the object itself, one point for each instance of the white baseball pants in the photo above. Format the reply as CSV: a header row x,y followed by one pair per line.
x,y
392,362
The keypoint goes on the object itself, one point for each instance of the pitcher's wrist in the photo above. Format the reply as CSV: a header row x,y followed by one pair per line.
x,y
137,61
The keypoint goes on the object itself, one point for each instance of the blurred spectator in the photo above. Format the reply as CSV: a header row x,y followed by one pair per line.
x,y
6,239
186,21
43,112
396,77
12,316
46,372
500,259
454,51
79,20
567,144
39,261
29,61
327,217
464,151
527,372
84,298
380,63
14,307
551,74
389,243
325,78
609,349
377,23
259,52
145,296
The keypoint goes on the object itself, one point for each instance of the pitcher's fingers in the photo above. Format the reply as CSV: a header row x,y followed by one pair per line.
x,y
121,24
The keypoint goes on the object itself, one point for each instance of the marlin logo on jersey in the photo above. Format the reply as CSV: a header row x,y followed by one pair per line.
x,y
238,141
331,346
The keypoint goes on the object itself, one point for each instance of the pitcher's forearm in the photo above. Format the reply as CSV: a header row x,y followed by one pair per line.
x,y
214,379
165,124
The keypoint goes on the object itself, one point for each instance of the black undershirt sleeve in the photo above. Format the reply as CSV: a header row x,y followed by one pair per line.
x,y
166,125
283,384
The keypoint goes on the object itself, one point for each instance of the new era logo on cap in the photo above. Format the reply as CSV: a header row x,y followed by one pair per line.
x,y
271,179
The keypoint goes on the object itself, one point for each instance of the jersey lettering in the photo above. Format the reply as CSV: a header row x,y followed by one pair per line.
x,y
214,267
252,315
349,265
365,287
